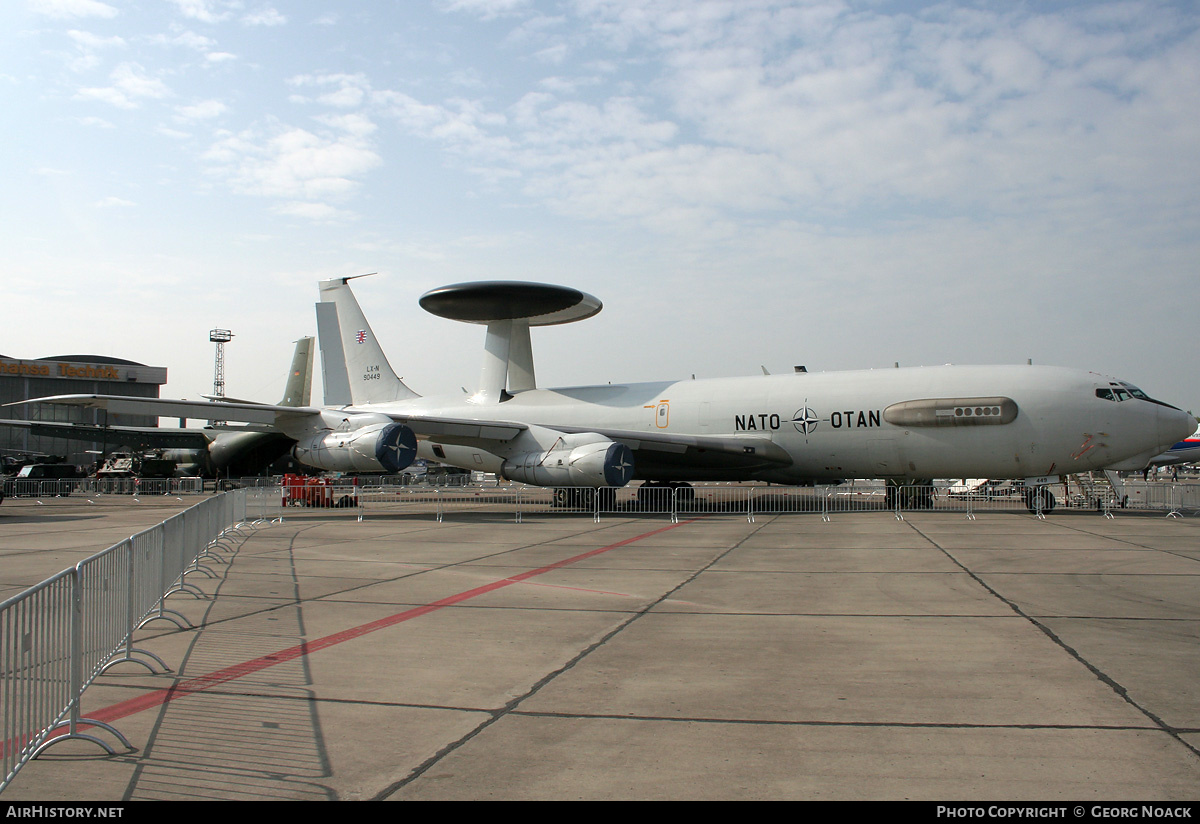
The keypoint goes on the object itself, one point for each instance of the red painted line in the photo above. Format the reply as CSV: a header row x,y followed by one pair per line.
x,y
223,676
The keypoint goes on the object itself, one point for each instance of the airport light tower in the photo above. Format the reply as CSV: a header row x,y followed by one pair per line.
x,y
220,337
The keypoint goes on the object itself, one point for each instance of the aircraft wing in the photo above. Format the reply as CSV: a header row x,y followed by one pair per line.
x,y
652,451
138,436
169,408
461,430
658,450
649,448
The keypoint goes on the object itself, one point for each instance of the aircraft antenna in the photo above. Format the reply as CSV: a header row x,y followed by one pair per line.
x,y
220,337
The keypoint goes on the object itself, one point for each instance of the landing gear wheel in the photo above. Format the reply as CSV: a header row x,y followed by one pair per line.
x,y
574,497
685,494
655,496
1039,498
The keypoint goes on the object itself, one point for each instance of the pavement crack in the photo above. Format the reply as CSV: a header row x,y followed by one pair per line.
x,y
1102,676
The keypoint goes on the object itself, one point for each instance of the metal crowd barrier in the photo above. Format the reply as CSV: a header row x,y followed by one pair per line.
x,y
1176,499
515,500
57,637
62,488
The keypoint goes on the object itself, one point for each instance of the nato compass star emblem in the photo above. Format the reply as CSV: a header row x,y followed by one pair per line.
x,y
805,420
621,466
400,451
396,448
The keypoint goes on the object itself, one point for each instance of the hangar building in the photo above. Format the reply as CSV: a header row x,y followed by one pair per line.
x,y
70,375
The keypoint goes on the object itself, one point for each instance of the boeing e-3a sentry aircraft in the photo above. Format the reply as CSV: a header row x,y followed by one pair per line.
x,y
910,424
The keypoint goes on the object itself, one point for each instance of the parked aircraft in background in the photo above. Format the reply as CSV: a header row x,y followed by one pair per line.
x,y
1185,452
906,425
227,451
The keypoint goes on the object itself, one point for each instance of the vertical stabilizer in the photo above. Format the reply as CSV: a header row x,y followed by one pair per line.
x,y
369,377
333,358
298,391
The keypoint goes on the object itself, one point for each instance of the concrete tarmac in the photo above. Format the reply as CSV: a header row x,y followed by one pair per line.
x,y
936,658
40,537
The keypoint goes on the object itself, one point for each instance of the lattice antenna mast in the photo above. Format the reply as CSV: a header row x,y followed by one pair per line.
x,y
220,337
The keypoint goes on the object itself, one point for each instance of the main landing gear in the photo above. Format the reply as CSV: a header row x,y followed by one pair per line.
x,y
574,497
584,497
1039,499
916,495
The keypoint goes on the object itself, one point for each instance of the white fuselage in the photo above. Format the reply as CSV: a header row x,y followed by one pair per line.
x,y
835,425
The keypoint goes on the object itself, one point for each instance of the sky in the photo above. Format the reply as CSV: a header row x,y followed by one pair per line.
x,y
844,184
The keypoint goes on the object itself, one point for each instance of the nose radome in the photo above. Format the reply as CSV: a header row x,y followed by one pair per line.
x,y
1173,426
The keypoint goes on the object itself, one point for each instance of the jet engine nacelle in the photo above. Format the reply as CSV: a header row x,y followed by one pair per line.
x,y
597,462
376,447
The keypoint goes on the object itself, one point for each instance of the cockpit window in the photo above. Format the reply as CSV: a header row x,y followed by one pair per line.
x,y
1137,393
1121,391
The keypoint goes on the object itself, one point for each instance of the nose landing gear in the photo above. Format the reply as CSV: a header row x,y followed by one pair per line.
x,y
1040,499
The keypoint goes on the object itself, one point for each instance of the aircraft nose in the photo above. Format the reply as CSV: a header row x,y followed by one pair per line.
x,y
1173,426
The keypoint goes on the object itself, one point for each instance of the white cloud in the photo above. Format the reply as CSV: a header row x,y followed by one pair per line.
x,y
554,55
317,212
204,110
207,11
133,79
130,85
833,114
348,90
70,9
357,125
187,39
98,122
347,97
486,9
296,164
264,17
88,45
89,41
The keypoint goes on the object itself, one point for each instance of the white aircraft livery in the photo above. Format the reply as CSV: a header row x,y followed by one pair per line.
x,y
905,425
